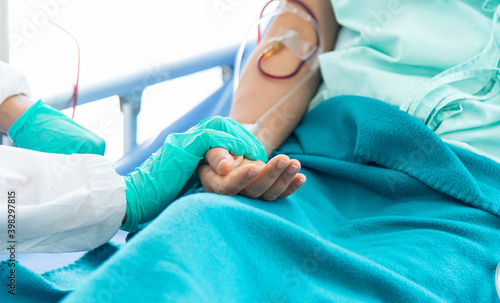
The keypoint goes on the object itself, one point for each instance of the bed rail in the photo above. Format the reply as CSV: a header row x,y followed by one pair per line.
x,y
130,87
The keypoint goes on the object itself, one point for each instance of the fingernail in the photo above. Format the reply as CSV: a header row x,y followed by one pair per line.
x,y
252,173
300,182
292,169
282,164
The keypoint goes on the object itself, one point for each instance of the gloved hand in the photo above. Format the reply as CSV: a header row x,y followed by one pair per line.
x,y
153,185
43,128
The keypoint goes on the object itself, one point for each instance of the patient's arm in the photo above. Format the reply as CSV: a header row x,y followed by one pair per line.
x,y
257,93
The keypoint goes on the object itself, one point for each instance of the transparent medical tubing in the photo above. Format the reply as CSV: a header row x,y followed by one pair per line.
x,y
296,48
292,46
241,50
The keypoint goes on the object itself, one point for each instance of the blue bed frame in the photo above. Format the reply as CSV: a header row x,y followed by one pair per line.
x,y
129,88
218,103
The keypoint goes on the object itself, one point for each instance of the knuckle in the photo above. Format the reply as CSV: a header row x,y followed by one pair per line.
x,y
215,121
274,174
283,185
285,194
251,194
268,197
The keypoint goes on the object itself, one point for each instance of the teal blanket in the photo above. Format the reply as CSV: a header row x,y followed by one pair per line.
x,y
389,213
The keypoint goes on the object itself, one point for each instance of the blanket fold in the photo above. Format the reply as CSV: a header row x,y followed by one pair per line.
x,y
364,131
389,213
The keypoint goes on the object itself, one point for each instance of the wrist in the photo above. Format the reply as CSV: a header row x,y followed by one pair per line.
x,y
261,136
11,109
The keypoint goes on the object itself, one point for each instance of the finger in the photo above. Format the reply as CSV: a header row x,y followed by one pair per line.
x,y
267,176
296,183
220,160
282,182
239,179
230,184
207,175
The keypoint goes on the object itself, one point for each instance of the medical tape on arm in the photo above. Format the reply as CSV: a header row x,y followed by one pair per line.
x,y
299,47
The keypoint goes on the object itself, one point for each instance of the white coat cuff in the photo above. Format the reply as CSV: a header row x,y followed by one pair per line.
x,y
63,203
12,82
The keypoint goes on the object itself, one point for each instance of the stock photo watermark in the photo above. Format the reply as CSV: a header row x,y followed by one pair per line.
x,y
222,7
31,26
11,241
118,283
375,22
381,18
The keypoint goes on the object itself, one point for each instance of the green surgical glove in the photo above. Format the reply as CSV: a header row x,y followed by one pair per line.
x,y
155,184
43,128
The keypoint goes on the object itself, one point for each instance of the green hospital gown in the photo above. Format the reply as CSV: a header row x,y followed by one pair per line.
x,y
436,60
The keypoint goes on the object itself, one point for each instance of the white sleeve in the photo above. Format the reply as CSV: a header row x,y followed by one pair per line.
x,y
58,203
12,82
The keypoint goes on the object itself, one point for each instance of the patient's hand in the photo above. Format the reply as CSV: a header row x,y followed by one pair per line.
x,y
228,175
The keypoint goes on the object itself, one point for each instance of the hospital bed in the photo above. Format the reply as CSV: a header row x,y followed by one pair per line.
x,y
355,259
311,246
129,90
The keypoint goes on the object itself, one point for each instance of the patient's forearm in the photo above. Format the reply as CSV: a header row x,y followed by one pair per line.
x,y
257,93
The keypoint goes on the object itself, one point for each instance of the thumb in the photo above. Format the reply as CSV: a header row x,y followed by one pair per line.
x,y
220,160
